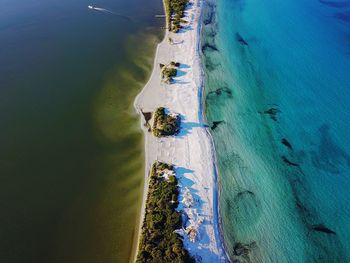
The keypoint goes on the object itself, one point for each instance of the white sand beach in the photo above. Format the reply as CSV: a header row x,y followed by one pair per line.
x,y
191,151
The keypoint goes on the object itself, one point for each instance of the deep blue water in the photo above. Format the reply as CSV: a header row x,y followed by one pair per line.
x,y
278,75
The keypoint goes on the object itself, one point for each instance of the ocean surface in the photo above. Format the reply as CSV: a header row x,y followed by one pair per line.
x,y
278,77
71,150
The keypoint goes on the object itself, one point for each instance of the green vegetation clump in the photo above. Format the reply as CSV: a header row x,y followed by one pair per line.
x,y
175,10
168,73
165,124
159,242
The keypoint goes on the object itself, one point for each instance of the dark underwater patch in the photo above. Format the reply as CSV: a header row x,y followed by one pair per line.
x,y
209,65
246,208
340,4
243,250
272,112
245,192
215,125
323,229
286,143
219,92
211,34
285,159
241,40
302,209
209,16
343,16
209,47
329,156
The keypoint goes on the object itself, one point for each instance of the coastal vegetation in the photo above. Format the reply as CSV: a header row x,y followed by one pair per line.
x,y
169,71
165,124
159,241
175,11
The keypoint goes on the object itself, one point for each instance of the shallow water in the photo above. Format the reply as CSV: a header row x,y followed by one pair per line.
x,y
280,70
71,155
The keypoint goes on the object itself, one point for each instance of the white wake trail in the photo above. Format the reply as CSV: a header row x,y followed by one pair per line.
x,y
103,10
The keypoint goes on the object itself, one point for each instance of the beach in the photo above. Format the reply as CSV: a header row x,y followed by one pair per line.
x,y
191,151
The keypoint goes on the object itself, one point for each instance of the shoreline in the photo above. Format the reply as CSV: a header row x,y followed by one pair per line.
x,y
193,151
201,98
217,189
147,167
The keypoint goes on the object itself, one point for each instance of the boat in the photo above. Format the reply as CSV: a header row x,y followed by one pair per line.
x,y
91,7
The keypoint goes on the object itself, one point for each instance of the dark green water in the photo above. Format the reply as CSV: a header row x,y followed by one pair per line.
x,y
71,151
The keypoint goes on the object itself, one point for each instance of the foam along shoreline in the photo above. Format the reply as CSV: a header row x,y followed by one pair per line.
x,y
191,151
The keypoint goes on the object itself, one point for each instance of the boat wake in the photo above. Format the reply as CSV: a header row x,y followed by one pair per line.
x,y
103,10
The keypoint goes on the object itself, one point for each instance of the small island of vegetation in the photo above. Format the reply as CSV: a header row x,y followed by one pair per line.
x,y
169,71
175,11
165,124
159,241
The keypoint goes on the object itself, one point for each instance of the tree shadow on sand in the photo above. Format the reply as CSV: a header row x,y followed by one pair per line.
x,y
180,73
181,82
186,182
188,25
183,66
187,127
180,172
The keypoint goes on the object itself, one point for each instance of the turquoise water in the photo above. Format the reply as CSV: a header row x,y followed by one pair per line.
x,y
278,75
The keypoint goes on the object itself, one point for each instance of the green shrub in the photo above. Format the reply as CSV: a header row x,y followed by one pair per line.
x,y
164,124
168,73
175,10
158,241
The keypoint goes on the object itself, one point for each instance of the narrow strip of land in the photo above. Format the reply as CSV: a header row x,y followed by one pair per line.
x,y
189,149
